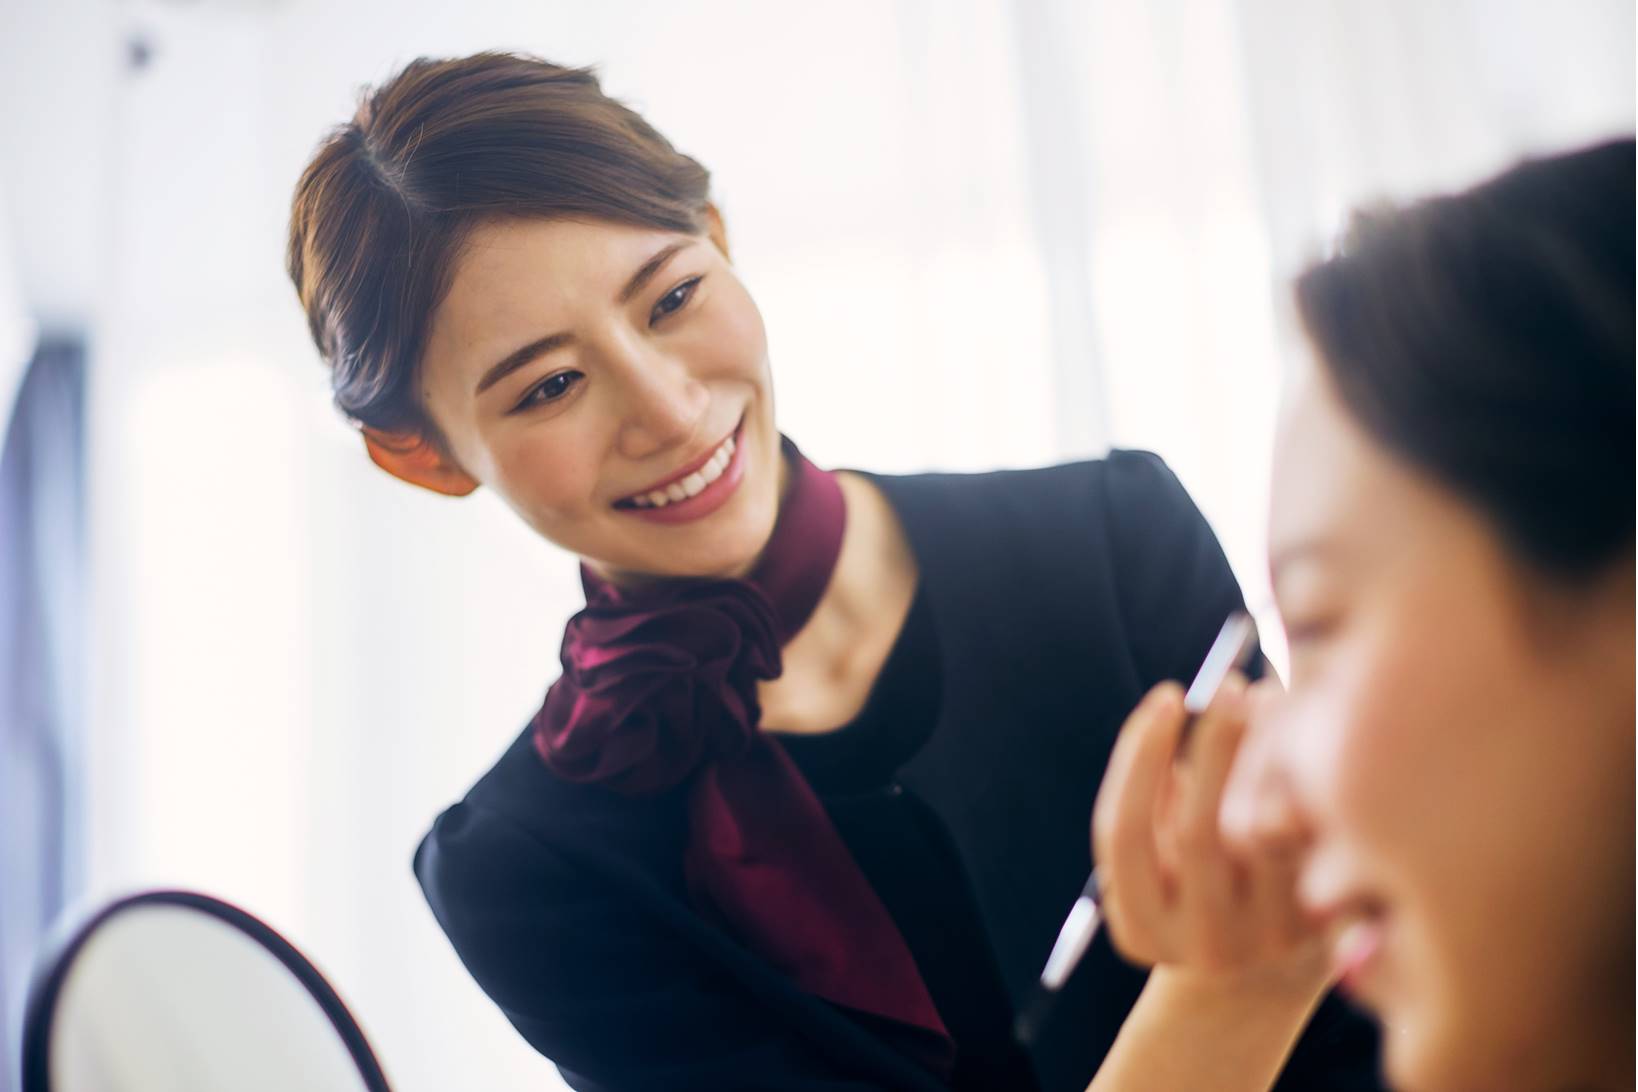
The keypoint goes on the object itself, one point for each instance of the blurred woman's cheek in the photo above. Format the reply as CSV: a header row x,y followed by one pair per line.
x,y
1302,731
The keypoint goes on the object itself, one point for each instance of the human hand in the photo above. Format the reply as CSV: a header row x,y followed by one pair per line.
x,y
1173,892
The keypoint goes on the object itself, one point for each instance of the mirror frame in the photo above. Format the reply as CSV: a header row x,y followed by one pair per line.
x,y
57,959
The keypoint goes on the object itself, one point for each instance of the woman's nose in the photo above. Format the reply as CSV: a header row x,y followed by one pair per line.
x,y
1260,812
662,405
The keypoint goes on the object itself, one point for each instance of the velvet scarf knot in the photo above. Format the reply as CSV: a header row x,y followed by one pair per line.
x,y
659,690
648,695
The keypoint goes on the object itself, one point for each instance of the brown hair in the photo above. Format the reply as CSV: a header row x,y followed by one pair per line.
x,y
1487,337
382,210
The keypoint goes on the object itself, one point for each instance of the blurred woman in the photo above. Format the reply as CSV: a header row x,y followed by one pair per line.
x,y
1450,776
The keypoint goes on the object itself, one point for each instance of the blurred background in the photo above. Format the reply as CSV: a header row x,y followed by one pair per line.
x,y
983,233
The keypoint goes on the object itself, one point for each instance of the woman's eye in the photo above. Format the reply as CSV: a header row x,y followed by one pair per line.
x,y
673,301
1307,631
549,389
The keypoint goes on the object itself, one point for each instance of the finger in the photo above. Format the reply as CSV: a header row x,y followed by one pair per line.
x,y
1123,832
1274,899
1213,888
1213,744
1168,809
1242,794
1284,930
1253,832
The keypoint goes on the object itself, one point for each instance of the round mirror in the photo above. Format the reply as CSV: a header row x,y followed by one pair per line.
x,y
172,991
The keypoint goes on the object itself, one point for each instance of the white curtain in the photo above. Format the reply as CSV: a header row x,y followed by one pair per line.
x,y
16,325
1355,99
982,234
20,867
1227,141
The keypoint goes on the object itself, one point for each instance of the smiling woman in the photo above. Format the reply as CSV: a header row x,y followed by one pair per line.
x,y
809,798
1451,539
642,358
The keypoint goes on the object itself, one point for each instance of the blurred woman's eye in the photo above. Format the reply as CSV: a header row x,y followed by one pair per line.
x,y
674,300
1301,631
550,389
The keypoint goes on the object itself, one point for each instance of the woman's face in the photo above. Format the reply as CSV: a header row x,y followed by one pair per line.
x,y
611,384
1453,765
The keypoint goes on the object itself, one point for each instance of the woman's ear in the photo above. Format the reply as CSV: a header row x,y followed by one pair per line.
x,y
715,230
410,457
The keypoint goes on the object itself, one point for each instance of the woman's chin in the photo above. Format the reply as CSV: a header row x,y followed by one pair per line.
x,y
726,545
724,552
721,539
728,558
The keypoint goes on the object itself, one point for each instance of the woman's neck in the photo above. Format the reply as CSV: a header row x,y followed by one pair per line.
x,y
833,661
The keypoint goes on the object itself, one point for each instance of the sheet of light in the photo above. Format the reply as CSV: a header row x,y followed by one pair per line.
x,y
906,361
217,571
16,327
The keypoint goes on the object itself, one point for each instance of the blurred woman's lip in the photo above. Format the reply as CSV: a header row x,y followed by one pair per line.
x,y
1357,938
728,462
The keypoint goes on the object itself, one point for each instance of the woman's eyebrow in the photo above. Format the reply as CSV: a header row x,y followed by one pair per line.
x,y
519,357
646,271
552,342
1283,559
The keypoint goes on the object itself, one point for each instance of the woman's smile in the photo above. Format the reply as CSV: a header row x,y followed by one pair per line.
x,y
704,484
1357,950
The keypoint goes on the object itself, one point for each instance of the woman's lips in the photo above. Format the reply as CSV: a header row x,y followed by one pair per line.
x,y
713,496
1356,951
637,498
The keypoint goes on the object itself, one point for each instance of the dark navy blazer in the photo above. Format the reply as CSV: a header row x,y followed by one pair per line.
x,y
1060,596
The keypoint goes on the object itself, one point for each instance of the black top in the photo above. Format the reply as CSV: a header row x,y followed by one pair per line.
x,y
1049,601
906,854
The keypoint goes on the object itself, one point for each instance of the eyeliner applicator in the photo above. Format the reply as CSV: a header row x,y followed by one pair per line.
x,y
1231,651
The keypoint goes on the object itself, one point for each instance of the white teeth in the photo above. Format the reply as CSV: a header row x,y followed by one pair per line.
x,y
691,485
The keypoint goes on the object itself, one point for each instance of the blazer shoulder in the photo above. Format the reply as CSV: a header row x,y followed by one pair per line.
x,y
520,788
475,866
1126,470
1064,509
1139,485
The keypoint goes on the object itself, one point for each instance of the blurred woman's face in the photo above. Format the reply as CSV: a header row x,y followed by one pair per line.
x,y
611,384
1453,764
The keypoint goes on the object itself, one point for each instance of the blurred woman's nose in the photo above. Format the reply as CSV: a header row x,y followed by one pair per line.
x,y
1260,812
662,403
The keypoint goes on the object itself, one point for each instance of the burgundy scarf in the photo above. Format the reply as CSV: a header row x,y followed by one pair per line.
x,y
659,688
